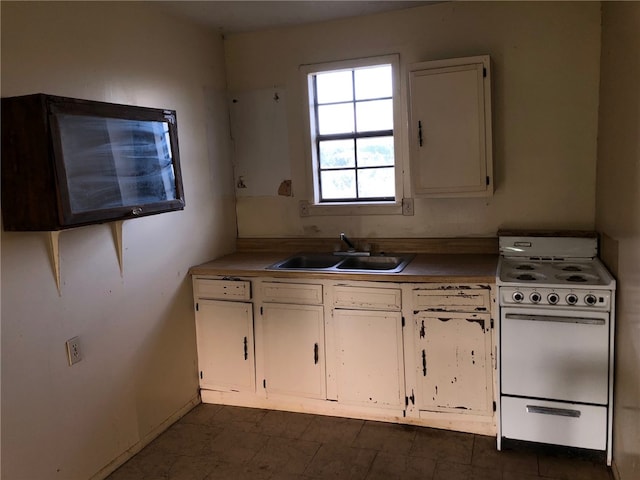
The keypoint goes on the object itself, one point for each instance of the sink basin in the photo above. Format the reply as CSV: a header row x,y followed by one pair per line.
x,y
374,262
307,261
327,262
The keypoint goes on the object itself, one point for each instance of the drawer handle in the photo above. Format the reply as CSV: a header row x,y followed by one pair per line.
x,y
561,412
315,354
246,349
553,318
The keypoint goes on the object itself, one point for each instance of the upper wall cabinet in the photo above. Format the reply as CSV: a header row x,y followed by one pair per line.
x,y
450,127
69,162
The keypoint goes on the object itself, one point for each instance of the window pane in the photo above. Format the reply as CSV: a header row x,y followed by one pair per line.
x,y
376,182
374,82
334,87
335,119
374,115
337,154
375,151
338,184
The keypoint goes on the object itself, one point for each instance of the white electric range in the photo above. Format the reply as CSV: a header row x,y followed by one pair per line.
x,y
557,303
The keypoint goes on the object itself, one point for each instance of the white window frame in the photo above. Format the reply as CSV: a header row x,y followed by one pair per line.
x,y
312,205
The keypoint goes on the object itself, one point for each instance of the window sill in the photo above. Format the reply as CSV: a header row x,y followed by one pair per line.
x,y
309,210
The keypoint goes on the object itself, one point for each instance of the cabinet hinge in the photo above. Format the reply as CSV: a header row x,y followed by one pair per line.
x,y
403,322
197,307
484,72
492,323
264,383
494,406
488,181
261,310
406,401
201,376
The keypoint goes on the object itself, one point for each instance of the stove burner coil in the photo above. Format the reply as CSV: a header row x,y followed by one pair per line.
x,y
576,279
572,268
526,276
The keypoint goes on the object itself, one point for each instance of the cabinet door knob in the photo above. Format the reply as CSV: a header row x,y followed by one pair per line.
x,y
136,211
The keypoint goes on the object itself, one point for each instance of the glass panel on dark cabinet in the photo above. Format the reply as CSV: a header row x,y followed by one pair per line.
x,y
70,162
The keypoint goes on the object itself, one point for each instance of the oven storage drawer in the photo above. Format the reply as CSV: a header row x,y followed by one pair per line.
x,y
568,424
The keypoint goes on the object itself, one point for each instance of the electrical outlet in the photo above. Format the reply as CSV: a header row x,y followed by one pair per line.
x,y
73,350
407,206
303,208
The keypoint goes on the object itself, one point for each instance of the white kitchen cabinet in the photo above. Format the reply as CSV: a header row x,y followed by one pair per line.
x,y
292,339
452,367
454,362
363,349
450,127
224,336
369,358
368,344
293,349
452,299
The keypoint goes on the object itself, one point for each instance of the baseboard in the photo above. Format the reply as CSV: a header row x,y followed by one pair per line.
x,y
121,459
614,469
483,425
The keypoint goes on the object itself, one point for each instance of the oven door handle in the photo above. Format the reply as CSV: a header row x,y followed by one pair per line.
x,y
562,412
555,318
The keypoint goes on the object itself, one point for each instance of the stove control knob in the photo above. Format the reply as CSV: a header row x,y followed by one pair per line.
x,y
572,299
535,297
518,296
553,298
590,299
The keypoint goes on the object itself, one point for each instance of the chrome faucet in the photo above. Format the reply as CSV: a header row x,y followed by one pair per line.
x,y
346,240
351,252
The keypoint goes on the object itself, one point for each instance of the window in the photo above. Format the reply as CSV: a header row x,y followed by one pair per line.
x,y
353,111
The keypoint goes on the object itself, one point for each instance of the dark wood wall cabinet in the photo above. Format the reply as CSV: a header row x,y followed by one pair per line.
x,y
68,162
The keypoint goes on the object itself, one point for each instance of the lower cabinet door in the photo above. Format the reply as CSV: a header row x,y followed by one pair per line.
x,y
224,332
454,362
293,349
369,354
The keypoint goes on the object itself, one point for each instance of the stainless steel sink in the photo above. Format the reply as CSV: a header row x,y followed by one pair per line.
x,y
307,261
327,262
375,262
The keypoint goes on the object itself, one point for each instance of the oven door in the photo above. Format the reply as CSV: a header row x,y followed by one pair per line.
x,y
555,354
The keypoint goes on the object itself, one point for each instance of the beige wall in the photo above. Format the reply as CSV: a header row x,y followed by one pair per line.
x,y
545,99
136,330
618,214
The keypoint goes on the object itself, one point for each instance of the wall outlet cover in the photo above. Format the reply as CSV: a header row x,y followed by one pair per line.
x,y
407,206
74,355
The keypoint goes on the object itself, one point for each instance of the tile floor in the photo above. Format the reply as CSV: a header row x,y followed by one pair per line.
x,y
222,442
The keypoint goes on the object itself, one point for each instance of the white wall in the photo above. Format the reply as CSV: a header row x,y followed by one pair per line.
x,y
545,98
137,331
618,214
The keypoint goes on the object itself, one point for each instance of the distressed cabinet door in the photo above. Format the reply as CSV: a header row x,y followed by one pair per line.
x,y
450,127
224,333
293,349
369,358
454,362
